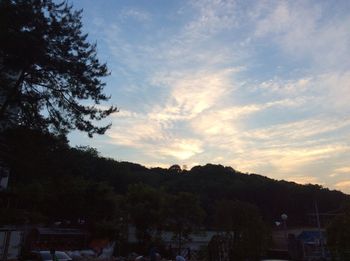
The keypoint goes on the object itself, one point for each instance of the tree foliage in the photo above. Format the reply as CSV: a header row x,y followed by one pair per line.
x,y
338,236
144,205
50,75
244,231
176,169
184,216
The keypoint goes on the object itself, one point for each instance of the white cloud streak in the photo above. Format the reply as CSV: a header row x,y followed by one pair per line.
x,y
301,29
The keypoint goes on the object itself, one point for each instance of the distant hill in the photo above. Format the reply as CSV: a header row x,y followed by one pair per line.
x,y
214,182
36,158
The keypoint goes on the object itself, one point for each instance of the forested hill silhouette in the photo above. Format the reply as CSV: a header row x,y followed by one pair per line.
x,y
50,179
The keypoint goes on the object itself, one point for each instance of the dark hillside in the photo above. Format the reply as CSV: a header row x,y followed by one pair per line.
x,y
43,161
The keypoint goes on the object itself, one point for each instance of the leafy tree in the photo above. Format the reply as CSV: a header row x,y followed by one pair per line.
x,y
144,205
338,236
50,76
72,198
32,155
183,216
175,169
100,202
243,229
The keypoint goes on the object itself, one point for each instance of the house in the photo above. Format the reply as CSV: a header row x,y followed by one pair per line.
x,y
313,244
305,243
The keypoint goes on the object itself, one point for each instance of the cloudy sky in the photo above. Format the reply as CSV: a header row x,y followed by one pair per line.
x,y
262,86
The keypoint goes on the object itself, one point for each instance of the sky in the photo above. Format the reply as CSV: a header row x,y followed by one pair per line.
x,y
262,86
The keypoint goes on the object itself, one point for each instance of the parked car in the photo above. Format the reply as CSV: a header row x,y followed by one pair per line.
x,y
46,256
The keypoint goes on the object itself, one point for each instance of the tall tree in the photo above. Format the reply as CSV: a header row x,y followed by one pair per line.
x,y
183,216
244,232
50,76
144,206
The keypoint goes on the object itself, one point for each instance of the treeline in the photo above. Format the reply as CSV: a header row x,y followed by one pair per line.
x,y
51,181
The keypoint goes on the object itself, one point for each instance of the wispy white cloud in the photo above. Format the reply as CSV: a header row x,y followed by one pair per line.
x,y
286,88
135,13
298,131
155,139
340,171
181,149
343,185
302,29
195,92
285,159
190,96
213,17
336,90
304,179
343,170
